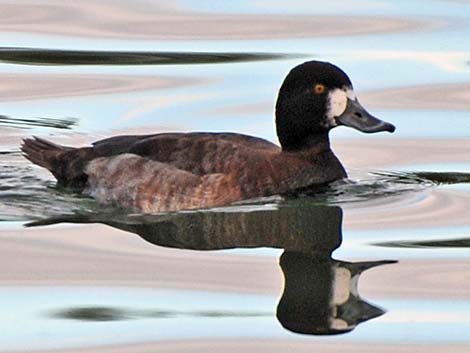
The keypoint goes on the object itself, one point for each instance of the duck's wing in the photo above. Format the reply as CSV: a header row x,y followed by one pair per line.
x,y
197,153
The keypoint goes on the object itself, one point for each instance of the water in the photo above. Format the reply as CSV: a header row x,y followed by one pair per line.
x,y
376,265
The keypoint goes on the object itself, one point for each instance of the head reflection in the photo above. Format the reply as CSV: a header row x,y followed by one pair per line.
x,y
320,293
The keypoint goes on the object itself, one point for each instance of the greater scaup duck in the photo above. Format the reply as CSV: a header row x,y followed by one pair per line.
x,y
175,171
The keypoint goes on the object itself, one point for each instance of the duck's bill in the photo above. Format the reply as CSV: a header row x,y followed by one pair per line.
x,y
357,117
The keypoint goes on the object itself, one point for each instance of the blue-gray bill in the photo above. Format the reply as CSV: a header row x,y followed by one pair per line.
x,y
357,117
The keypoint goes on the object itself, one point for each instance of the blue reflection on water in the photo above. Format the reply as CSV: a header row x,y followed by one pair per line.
x,y
337,7
427,320
26,325
360,244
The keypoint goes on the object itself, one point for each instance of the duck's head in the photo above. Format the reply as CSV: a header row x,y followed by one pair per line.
x,y
316,97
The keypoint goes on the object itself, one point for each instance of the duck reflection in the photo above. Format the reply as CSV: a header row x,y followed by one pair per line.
x,y
320,293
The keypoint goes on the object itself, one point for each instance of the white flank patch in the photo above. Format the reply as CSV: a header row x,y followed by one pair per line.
x,y
337,102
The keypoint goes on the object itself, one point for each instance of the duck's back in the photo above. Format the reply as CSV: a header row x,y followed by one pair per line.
x,y
198,153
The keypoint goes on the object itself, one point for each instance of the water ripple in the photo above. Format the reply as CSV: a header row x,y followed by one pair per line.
x,y
25,197
158,21
374,185
23,123
428,244
31,56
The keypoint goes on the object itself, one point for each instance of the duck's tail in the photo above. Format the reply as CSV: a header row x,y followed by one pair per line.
x,y
65,163
43,153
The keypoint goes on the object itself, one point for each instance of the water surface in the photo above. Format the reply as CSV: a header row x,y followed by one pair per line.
x,y
382,259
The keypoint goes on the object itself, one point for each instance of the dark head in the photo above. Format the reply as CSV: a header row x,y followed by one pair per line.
x,y
314,98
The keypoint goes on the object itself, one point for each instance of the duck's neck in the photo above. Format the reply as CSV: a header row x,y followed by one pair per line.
x,y
316,150
311,146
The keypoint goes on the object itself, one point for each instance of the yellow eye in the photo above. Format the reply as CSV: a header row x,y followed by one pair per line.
x,y
319,88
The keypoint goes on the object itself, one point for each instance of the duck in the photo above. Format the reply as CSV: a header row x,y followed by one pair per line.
x,y
167,172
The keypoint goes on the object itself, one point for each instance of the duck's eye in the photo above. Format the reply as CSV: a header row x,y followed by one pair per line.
x,y
319,88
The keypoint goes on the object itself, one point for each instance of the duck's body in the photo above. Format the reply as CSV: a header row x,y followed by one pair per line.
x,y
175,171
168,172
